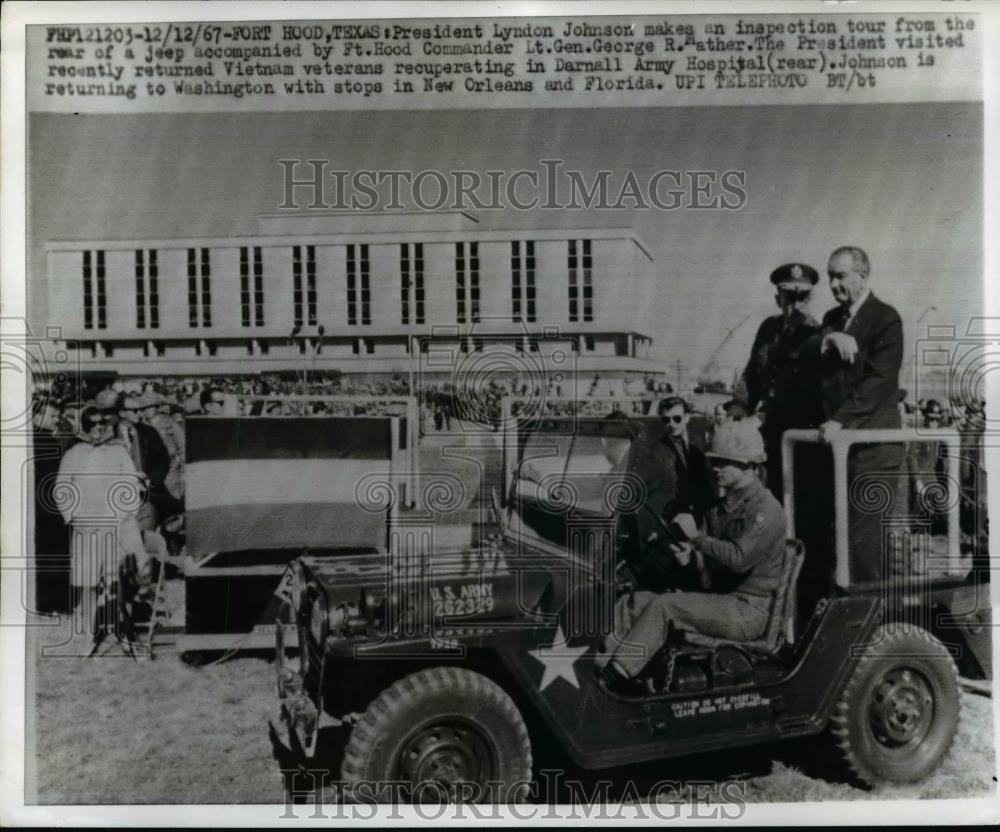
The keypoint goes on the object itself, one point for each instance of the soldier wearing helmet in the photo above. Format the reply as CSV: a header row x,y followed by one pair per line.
x,y
740,551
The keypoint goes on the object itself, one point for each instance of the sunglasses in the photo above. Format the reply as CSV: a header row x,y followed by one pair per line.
x,y
675,419
793,296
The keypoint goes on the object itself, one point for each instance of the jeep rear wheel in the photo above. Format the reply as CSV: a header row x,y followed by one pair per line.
x,y
446,734
898,714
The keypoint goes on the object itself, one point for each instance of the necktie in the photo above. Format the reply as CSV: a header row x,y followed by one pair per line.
x,y
136,452
845,317
681,451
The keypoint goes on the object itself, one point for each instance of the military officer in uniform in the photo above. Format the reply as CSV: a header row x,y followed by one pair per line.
x,y
777,383
740,551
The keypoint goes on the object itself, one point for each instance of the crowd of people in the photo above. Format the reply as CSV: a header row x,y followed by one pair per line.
x,y
473,399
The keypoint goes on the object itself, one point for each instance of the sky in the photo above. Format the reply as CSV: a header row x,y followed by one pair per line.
x,y
902,181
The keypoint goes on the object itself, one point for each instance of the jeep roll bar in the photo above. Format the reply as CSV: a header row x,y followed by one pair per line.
x,y
840,444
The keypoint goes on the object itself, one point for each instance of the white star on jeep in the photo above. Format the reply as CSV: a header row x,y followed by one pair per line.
x,y
559,659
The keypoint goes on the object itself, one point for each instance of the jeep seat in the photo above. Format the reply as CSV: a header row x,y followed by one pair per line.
x,y
780,628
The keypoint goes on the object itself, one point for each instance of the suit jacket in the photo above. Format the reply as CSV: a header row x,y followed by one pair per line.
x,y
154,459
863,394
695,491
671,489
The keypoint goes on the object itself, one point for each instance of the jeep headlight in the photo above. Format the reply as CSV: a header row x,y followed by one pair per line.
x,y
319,619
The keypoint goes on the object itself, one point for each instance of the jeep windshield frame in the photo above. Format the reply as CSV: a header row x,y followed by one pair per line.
x,y
567,478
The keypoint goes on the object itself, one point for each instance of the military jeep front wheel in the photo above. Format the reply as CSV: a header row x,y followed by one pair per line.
x,y
442,734
898,714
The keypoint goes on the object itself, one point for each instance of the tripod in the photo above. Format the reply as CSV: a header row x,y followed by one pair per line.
x,y
113,616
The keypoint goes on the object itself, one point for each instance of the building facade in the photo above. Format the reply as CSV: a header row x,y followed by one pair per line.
x,y
369,294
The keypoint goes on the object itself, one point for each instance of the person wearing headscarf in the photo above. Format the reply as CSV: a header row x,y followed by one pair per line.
x,y
98,492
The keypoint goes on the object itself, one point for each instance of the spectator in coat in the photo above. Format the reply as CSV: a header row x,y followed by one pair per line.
x,y
97,491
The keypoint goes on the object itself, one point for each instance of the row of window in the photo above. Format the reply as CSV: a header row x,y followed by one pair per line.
x,y
199,266
147,291
580,278
467,281
358,273
257,296
580,289
522,295
411,287
310,280
95,295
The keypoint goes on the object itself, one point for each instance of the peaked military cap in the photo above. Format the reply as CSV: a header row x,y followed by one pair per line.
x,y
795,276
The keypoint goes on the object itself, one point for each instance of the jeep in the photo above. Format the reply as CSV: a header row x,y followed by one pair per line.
x,y
435,658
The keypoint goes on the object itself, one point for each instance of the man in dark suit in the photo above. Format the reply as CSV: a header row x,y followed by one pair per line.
x,y
678,481
693,478
150,456
860,350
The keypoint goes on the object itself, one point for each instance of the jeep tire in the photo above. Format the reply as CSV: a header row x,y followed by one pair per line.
x,y
446,734
898,713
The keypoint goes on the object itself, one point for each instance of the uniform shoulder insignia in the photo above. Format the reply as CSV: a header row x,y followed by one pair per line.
x,y
759,519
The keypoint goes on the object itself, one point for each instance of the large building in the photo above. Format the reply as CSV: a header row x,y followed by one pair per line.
x,y
368,294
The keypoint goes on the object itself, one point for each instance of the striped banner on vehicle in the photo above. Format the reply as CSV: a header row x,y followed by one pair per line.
x,y
283,483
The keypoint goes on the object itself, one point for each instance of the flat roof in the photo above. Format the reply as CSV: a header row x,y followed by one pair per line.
x,y
400,235
354,222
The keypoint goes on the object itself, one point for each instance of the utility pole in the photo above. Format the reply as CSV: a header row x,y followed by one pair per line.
x,y
317,346
299,371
